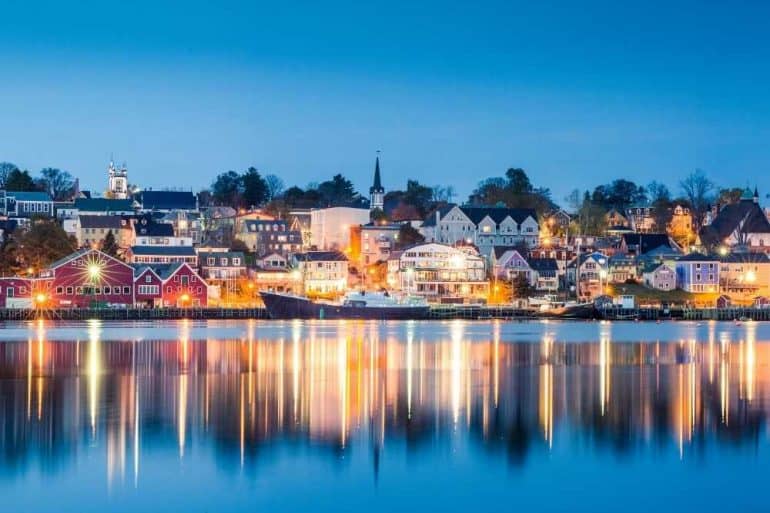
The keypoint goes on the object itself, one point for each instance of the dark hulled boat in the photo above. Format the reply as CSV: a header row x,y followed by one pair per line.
x,y
355,306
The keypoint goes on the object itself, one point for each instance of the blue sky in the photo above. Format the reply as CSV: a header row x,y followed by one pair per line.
x,y
575,93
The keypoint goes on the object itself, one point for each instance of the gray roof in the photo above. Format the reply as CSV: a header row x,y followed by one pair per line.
x,y
730,218
477,214
112,222
103,205
29,195
166,200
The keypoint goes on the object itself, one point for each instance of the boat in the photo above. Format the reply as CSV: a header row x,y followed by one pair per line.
x,y
354,305
571,310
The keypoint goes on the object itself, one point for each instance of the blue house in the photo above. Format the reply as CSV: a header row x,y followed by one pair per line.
x,y
697,273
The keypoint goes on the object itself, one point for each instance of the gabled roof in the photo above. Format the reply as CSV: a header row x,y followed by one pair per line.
x,y
501,250
145,227
543,264
163,250
29,195
81,252
321,256
112,222
164,271
498,214
166,200
430,219
647,241
654,266
729,219
103,205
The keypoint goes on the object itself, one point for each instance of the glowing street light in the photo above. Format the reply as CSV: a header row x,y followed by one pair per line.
x,y
40,299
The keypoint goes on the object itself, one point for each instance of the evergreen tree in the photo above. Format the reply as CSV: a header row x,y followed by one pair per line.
x,y
110,245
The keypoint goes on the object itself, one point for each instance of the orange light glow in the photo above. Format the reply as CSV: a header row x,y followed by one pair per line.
x,y
40,298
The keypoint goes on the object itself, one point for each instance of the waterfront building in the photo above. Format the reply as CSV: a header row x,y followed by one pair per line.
x,y
330,227
485,227
544,275
697,273
15,292
266,236
117,181
322,273
148,232
21,206
377,191
440,273
276,280
508,264
659,277
589,273
167,285
272,261
744,275
85,278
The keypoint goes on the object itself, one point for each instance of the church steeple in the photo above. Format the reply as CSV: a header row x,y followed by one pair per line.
x,y
377,191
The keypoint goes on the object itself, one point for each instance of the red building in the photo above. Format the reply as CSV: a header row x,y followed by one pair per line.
x,y
86,278
15,292
169,285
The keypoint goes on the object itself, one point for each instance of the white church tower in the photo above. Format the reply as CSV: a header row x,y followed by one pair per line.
x,y
118,181
377,191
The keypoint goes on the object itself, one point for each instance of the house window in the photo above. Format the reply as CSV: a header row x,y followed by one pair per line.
x,y
22,290
236,261
176,278
79,291
224,261
169,289
97,290
9,292
200,289
60,290
148,279
127,291
107,290
211,260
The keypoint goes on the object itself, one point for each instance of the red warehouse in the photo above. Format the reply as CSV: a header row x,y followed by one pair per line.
x,y
170,285
86,278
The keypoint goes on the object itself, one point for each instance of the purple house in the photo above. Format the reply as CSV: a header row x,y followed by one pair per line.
x,y
697,273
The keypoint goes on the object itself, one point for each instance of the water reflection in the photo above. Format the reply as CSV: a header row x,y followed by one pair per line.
x,y
333,385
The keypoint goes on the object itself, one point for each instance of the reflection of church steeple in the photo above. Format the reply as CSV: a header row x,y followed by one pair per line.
x,y
377,191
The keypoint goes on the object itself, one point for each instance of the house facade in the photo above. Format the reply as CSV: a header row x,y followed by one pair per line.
x,y
25,205
440,273
482,226
322,273
265,236
330,227
744,275
659,277
697,273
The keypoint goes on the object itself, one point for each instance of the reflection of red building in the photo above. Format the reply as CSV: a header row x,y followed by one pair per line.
x,y
85,278
170,285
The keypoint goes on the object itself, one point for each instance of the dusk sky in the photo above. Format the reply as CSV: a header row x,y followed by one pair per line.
x,y
450,92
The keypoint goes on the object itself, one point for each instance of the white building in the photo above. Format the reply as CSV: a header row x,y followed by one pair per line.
x,y
323,273
440,273
330,227
483,226
117,186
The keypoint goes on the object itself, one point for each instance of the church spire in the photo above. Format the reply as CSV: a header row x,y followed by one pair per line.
x,y
377,191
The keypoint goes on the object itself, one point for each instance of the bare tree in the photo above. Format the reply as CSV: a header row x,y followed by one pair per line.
x,y
5,170
697,188
275,186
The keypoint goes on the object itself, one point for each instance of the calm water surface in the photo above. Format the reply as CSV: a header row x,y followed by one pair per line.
x,y
356,416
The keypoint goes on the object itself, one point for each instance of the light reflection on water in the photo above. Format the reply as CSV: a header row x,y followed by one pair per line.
x,y
336,415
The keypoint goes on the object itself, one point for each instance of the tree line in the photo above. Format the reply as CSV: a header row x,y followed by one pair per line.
x,y
59,184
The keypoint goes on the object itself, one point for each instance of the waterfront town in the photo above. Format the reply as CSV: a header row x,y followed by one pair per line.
x,y
689,243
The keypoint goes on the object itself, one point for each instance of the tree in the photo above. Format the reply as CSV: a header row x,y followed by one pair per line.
x,y
20,181
110,245
730,195
620,194
43,243
697,188
591,217
514,191
255,191
442,194
339,191
518,181
59,184
274,186
408,236
657,191
377,215
5,170
226,189
521,286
